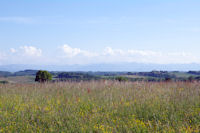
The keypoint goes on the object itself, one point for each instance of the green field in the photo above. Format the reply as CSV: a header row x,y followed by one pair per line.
x,y
18,79
100,106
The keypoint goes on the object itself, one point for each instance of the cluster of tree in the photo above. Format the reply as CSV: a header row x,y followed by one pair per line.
x,y
182,79
121,79
105,73
153,76
76,76
43,76
194,72
148,79
153,79
156,74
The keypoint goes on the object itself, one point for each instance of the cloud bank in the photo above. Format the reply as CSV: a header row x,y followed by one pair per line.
x,y
111,55
29,51
22,55
70,55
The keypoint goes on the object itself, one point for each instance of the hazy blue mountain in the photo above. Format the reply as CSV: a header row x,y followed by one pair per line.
x,y
104,67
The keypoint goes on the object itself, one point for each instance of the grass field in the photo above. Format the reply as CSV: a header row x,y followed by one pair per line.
x,y
19,79
100,106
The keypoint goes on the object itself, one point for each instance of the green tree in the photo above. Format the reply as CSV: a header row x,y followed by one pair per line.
x,y
121,79
43,76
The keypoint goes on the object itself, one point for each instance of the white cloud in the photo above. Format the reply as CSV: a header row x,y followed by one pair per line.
x,y
24,55
71,52
112,52
131,52
12,50
70,55
110,55
109,51
143,52
148,56
30,51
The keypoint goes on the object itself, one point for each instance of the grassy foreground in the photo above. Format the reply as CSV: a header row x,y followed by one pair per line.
x,y
103,106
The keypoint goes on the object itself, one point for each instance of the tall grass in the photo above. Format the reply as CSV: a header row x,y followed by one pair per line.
x,y
100,106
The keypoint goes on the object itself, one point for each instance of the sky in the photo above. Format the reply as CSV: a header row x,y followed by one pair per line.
x,y
99,31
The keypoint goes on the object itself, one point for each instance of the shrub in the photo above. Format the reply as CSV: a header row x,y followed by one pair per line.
x,y
43,76
121,79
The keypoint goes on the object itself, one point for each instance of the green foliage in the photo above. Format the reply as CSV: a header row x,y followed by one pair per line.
x,y
43,76
76,76
121,79
153,76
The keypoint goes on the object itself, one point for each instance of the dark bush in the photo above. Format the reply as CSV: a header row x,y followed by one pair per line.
x,y
43,76
121,79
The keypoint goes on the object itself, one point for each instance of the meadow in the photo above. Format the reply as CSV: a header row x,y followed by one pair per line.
x,y
100,106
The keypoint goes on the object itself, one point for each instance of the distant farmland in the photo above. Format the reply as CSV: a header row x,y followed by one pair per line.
x,y
28,76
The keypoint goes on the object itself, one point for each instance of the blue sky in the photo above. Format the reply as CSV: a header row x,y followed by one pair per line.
x,y
100,31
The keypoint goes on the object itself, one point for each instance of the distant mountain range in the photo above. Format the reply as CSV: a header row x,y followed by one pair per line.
x,y
134,67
